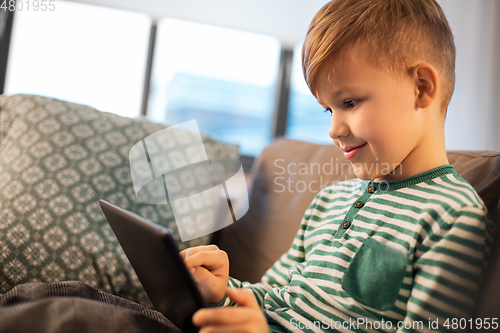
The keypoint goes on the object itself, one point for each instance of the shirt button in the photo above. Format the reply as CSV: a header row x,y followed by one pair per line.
x,y
358,204
371,189
346,224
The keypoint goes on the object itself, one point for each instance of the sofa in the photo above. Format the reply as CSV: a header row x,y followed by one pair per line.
x,y
58,158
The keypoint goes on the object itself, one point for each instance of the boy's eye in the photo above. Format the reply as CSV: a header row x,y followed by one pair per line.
x,y
349,104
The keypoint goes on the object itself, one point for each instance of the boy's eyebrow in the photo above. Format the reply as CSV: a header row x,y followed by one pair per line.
x,y
340,91
345,88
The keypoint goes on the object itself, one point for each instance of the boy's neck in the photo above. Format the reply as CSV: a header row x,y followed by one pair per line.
x,y
429,154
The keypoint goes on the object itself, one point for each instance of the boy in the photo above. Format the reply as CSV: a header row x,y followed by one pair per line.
x,y
402,248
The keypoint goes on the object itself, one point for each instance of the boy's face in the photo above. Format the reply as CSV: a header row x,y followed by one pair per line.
x,y
373,110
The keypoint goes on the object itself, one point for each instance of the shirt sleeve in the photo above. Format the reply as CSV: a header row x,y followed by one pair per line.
x,y
448,266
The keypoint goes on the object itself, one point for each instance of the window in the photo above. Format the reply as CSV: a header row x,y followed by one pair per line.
x,y
81,53
307,120
225,79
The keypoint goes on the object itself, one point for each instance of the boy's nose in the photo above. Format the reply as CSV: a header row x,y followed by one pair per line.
x,y
338,128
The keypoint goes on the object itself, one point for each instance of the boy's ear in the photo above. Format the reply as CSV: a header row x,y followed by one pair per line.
x,y
426,84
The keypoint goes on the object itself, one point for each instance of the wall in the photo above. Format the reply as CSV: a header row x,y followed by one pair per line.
x,y
473,119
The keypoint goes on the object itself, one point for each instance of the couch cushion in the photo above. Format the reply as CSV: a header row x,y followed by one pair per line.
x,y
482,170
57,159
288,175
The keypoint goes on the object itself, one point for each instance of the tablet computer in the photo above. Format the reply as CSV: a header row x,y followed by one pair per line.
x,y
155,257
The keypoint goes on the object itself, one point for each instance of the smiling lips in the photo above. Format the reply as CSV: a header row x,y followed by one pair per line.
x,y
350,151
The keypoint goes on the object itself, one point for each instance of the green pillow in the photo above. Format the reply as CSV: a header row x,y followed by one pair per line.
x,y
57,159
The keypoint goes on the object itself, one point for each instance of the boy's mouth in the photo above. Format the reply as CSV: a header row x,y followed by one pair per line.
x,y
350,151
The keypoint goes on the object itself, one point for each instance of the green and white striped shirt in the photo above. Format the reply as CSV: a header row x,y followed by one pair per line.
x,y
381,256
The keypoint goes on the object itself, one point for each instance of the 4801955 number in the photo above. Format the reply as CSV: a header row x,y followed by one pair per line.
x,y
28,5
472,323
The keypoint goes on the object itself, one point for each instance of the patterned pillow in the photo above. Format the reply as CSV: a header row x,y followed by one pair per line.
x,y
57,159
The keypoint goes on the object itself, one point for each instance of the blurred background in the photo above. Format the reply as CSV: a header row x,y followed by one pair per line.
x,y
234,66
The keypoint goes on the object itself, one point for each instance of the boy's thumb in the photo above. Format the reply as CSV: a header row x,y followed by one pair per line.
x,y
243,297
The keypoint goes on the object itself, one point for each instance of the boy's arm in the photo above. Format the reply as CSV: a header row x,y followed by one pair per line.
x,y
449,264
277,275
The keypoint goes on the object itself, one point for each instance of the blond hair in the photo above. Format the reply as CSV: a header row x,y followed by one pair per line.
x,y
396,33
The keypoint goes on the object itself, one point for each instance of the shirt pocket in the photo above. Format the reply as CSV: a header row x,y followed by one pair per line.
x,y
375,274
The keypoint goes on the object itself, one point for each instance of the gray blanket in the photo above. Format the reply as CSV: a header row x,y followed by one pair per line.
x,y
72,306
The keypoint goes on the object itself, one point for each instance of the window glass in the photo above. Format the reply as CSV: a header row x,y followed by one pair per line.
x,y
81,53
307,120
225,79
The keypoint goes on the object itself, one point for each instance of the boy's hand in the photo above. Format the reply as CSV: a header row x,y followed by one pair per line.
x,y
209,267
248,317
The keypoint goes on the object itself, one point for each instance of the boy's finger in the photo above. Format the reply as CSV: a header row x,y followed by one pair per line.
x,y
208,259
225,328
192,250
201,275
222,316
243,297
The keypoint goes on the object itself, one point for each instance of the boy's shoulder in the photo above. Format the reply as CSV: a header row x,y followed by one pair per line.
x,y
449,187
